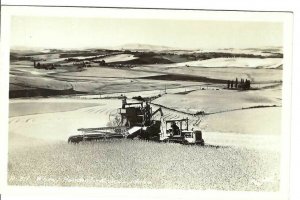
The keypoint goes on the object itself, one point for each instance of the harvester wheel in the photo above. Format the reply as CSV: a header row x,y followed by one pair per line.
x,y
75,139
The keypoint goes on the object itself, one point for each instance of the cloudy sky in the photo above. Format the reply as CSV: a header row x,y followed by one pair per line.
x,y
59,32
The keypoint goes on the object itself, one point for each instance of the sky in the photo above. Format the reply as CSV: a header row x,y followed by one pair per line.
x,y
62,32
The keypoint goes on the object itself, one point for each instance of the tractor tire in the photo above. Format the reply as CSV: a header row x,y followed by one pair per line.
x,y
201,143
166,141
185,142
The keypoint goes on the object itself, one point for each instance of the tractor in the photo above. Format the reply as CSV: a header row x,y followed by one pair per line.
x,y
177,131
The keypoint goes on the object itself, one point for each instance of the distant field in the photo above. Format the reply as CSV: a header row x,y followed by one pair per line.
x,y
259,121
150,72
13,87
249,51
92,84
231,62
110,72
22,62
118,58
20,109
213,101
39,82
223,73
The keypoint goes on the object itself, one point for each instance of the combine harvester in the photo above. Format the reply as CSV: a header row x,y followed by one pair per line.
x,y
137,121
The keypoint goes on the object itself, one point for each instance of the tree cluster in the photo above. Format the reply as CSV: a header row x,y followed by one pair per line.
x,y
242,85
47,66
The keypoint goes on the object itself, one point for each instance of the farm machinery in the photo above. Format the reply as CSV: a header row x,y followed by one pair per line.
x,y
181,133
136,120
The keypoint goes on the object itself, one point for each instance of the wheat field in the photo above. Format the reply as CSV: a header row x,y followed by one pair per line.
x,y
140,164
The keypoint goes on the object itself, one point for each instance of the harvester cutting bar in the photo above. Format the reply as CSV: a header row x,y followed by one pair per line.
x,y
137,103
99,132
102,128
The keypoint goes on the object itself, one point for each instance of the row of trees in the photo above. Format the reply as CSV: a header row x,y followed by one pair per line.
x,y
47,66
242,85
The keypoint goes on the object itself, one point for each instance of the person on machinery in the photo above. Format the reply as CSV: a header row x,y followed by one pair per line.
x,y
175,128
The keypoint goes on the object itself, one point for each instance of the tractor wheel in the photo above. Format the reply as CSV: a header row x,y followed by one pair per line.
x,y
185,142
201,143
166,141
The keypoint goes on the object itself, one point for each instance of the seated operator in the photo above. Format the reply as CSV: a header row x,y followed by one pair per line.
x,y
175,128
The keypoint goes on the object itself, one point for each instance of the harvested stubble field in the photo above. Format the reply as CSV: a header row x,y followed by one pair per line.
x,y
215,101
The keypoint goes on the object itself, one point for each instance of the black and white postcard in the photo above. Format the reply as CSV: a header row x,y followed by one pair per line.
x,y
193,102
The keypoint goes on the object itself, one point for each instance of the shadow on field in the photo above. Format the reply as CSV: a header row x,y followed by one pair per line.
x,y
114,141
41,92
215,146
